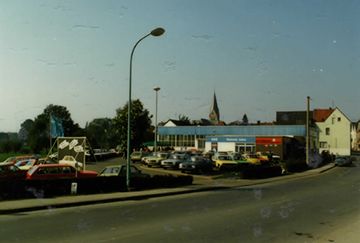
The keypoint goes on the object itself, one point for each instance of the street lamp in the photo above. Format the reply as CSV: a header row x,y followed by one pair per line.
x,y
154,32
156,111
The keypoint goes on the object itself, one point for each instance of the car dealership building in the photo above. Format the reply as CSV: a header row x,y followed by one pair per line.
x,y
278,139
329,131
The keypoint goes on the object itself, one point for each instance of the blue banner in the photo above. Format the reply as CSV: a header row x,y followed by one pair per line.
x,y
56,127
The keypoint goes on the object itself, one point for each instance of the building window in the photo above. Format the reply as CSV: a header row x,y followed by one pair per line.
x,y
339,119
323,144
327,131
201,142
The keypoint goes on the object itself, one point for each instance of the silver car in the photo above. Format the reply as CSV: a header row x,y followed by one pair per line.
x,y
174,161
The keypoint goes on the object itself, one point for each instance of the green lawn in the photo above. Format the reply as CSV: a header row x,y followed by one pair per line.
x,y
4,156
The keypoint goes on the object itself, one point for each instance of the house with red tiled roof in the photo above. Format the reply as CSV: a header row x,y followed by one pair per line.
x,y
320,115
334,131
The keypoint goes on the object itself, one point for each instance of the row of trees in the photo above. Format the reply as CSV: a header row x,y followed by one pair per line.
x,y
105,133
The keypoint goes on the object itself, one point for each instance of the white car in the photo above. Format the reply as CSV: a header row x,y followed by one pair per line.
x,y
26,164
70,160
173,161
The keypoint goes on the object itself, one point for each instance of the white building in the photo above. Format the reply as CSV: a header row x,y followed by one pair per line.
x,y
334,131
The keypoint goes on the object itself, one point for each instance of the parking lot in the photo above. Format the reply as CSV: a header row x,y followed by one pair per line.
x,y
99,165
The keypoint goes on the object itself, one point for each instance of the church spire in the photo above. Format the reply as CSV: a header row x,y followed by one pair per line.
x,y
214,112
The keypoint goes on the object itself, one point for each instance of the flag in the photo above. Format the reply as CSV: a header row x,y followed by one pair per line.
x,y
56,128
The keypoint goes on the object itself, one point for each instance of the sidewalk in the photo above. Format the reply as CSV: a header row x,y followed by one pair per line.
x,y
24,205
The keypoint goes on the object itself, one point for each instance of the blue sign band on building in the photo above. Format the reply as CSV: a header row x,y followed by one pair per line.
x,y
230,139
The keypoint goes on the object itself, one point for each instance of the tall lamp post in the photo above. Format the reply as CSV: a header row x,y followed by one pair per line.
x,y
154,32
156,112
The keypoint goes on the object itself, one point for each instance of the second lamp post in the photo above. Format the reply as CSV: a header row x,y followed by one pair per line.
x,y
156,123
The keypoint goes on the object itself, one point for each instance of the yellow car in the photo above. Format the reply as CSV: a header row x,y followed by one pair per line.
x,y
256,159
253,159
225,162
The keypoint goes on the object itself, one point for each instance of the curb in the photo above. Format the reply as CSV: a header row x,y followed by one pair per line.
x,y
95,201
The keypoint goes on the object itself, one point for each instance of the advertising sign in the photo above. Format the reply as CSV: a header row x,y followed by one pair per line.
x,y
74,146
268,140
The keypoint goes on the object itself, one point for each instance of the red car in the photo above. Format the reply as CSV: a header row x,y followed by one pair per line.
x,y
57,171
11,172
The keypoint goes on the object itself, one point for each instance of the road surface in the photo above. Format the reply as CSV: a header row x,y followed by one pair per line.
x,y
323,208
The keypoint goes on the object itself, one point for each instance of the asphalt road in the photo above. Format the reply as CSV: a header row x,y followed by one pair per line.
x,y
323,208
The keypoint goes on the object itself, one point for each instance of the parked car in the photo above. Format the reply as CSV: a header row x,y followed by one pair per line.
x,y
174,161
53,156
224,162
137,156
26,164
196,164
253,159
14,159
155,159
70,160
120,170
57,171
11,172
219,153
241,161
343,161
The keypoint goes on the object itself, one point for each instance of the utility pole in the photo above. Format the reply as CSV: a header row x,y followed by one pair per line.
x,y
307,129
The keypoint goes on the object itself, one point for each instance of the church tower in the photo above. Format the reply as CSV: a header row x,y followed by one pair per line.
x,y
214,112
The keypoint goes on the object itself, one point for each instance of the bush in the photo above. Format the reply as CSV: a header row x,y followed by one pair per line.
x,y
58,187
294,165
256,172
327,157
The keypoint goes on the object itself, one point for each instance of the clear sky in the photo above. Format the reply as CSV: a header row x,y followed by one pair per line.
x,y
259,56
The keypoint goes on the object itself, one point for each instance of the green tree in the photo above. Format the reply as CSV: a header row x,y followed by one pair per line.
x,y
99,133
140,123
245,120
184,119
9,142
25,129
38,138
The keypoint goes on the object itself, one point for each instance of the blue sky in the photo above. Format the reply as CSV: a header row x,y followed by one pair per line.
x,y
258,56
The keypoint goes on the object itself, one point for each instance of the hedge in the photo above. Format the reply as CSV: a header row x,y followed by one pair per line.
x,y
58,187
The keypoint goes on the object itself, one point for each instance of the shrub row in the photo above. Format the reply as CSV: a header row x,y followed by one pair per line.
x,y
49,188
256,172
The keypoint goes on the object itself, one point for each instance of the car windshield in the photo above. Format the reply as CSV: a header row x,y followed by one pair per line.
x,y
111,170
180,120
162,155
178,156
